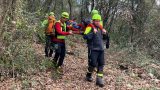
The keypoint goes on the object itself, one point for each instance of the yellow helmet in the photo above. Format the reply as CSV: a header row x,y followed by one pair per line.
x,y
51,13
96,17
94,12
65,15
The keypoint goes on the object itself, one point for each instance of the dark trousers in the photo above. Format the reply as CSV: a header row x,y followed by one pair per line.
x,y
59,53
48,50
89,55
96,60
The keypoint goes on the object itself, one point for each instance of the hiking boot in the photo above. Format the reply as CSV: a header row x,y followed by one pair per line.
x,y
89,77
59,70
99,81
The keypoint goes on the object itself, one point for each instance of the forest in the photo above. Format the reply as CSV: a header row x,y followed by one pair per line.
x,y
132,62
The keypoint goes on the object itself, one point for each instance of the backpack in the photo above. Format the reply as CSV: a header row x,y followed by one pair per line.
x,y
50,26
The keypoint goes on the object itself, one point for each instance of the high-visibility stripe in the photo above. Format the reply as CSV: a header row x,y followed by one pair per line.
x,y
100,74
63,27
88,30
61,37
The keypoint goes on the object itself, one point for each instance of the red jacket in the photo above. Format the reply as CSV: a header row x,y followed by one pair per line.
x,y
61,32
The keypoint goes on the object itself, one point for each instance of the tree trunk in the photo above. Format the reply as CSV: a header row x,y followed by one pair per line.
x,y
70,7
93,4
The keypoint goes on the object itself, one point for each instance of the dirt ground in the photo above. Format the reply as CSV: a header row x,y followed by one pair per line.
x,y
75,67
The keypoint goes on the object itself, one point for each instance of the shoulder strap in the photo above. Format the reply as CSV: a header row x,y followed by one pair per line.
x,y
91,25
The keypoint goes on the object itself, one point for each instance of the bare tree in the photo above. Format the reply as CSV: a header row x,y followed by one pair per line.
x,y
70,7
